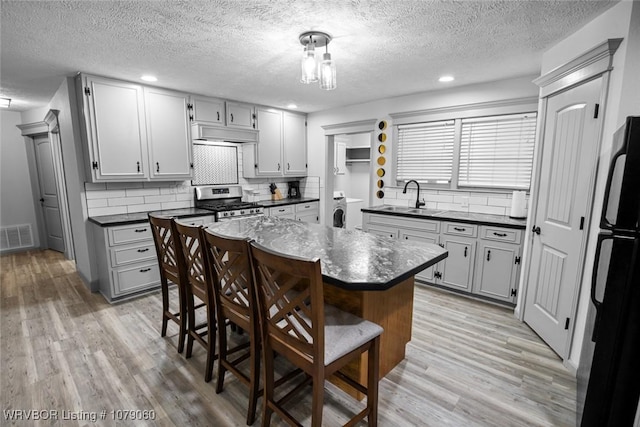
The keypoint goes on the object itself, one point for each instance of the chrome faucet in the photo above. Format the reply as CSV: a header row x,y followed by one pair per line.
x,y
418,202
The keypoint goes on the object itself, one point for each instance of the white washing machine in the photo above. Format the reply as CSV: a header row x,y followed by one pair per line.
x,y
339,209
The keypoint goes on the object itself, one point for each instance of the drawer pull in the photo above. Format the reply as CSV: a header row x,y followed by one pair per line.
x,y
459,229
281,210
140,230
143,250
500,234
144,270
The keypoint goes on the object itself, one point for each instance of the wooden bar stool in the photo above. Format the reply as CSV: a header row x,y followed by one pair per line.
x,y
295,322
193,274
232,282
169,274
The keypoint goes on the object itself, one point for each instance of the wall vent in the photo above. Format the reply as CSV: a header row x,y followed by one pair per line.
x,y
16,237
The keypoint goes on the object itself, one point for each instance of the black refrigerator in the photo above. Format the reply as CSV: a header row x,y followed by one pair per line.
x,y
609,370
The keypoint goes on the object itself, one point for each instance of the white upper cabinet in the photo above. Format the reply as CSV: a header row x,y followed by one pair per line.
x,y
134,133
269,149
168,127
282,147
115,130
294,144
208,110
240,115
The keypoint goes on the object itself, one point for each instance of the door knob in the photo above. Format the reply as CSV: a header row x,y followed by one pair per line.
x,y
536,230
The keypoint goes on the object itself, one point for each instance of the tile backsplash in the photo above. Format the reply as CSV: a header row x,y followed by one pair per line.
x,y
461,201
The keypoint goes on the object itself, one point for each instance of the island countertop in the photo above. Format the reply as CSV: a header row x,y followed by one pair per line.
x,y
350,259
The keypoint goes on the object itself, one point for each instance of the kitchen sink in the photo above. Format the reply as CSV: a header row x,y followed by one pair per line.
x,y
404,209
424,211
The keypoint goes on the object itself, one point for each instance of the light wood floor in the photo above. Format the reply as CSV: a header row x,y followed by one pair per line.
x,y
63,348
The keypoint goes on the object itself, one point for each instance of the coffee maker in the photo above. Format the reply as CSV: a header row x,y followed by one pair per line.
x,y
294,190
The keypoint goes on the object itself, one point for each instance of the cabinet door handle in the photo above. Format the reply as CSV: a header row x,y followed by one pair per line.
x,y
488,255
231,117
465,251
144,270
278,166
157,166
500,234
218,113
138,164
288,166
140,230
441,245
459,229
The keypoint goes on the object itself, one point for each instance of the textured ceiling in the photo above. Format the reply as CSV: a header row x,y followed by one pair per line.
x,y
249,50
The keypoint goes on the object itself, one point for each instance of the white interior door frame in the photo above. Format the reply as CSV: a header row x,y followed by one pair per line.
x,y
330,131
593,64
50,126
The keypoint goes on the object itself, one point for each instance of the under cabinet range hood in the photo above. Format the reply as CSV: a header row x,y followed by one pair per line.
x,y
213,133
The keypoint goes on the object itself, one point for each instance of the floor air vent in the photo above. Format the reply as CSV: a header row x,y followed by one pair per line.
x,y
16,237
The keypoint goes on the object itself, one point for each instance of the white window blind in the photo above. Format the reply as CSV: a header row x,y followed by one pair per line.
x,y
425,152
497,151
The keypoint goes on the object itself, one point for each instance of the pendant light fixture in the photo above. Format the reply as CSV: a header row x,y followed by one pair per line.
x,y
312,69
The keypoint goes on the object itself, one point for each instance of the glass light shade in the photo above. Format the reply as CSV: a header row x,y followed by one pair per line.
x,y
309,67
327,72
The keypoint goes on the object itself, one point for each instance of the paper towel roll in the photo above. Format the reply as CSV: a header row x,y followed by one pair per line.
x,y
518,205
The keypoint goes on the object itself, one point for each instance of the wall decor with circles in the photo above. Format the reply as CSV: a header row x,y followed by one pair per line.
x,y
381,160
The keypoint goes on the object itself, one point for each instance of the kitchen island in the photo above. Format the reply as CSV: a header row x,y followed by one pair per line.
x,y
367,275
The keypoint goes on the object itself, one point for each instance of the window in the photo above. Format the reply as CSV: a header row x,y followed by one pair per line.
x,y
492,152
425,152
497,152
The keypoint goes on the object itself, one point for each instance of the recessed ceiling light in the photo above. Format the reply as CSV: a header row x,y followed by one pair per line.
x,y
149,78
292,106
445,79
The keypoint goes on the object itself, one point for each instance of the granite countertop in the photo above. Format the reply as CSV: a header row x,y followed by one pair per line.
x,y
285,201
468,217
350,259
139,217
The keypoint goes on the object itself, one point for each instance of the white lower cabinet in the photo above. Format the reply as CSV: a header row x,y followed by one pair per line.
x,y
127,260
286,211
308,212
498,265
483,260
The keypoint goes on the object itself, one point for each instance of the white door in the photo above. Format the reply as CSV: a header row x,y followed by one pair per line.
x,y
568,161
341,158
49,194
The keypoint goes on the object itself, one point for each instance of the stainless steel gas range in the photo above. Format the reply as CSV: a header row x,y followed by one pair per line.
x,y
226,202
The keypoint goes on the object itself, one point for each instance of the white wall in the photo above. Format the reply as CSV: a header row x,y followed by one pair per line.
x,y
621,21
17,205
319,150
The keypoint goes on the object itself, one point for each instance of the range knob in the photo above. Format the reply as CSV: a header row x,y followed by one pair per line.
x,y
232,213
241,212
250,211
225,214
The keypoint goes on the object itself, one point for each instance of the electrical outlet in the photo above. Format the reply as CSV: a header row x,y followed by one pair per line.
x,y
465,202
